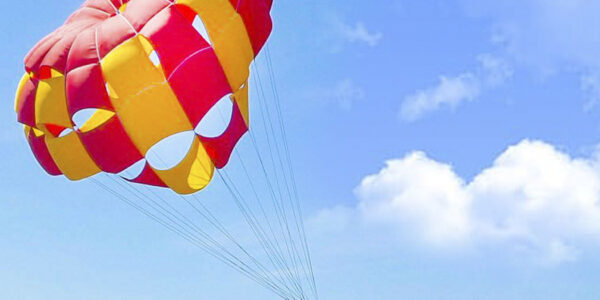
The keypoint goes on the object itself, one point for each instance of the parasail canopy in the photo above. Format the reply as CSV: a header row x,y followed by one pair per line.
x,y
109,88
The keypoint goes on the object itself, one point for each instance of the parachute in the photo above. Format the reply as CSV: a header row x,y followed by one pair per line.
x,y
132,88
147,74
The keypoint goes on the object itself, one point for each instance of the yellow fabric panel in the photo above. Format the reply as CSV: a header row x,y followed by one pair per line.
x,y
123,7
22,82
153,115
241,99
55,73
97,119
127,69
229,37
27,130
51,103
37,132
141,96
193,173
70,156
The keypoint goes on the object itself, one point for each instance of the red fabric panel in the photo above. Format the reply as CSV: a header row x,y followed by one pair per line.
x,y
26,109
148,177
41,153
139,12
188,13
55,130
85,88
255,14
199,83
110,146
173,37
111,33
83,51
220,148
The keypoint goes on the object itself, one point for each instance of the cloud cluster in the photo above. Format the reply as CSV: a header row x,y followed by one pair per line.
x,y
534,200
453,91
548,36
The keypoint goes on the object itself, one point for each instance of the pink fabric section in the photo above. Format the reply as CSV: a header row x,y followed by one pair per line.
x,y
220,148
34,58
139,12
111,33
41,153
110,146
104,5
83,51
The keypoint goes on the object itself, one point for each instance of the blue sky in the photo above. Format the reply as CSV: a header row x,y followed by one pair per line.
x,y
443,150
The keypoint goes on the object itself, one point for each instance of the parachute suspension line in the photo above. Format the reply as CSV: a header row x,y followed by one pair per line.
x,y
271,248
273,135
295,214
278,206
205,213
275,243
208,216
253,222
290,166
215,244
283,219
192,239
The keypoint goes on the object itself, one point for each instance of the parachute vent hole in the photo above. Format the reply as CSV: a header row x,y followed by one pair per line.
x,y
154,58
133,171
217,119
170,151
201,28
90,118
82,116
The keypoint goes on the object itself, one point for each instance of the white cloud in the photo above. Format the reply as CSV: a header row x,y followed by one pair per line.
x,y
420,194
450,91
453,91
534,201
546,36
359,33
